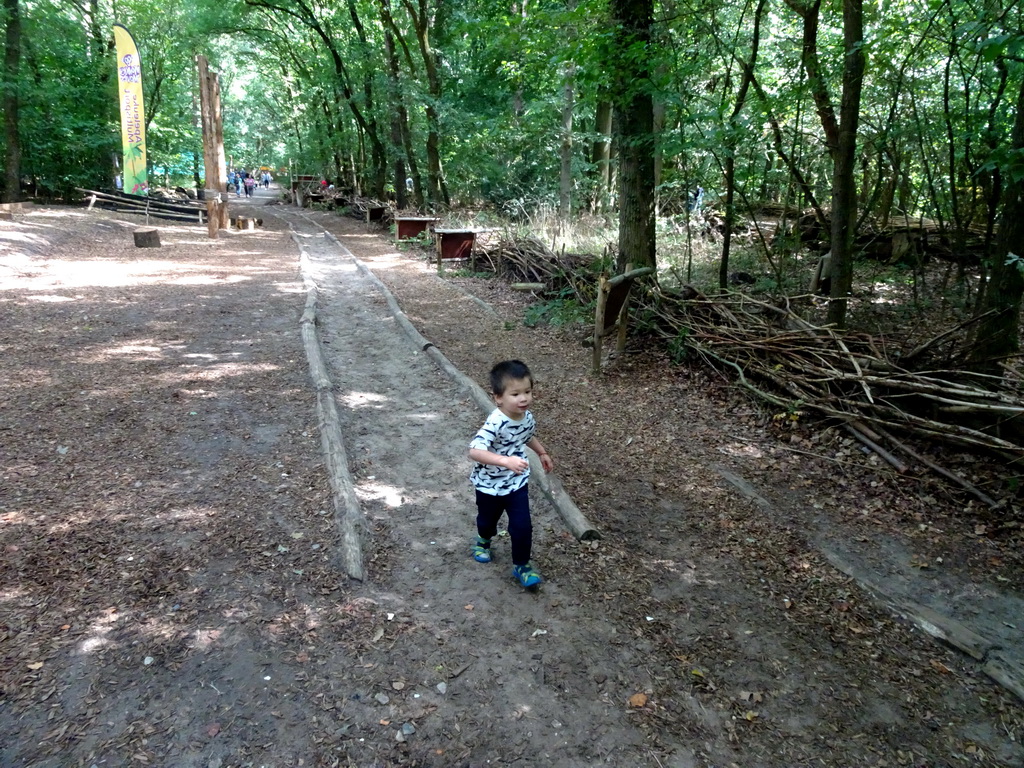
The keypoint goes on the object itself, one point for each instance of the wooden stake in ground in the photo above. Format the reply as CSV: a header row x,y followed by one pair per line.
x,y
612,310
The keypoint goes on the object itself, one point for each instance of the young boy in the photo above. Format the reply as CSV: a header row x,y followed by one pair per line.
x,y
502,470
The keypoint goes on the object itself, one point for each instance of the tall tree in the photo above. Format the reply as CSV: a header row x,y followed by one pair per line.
x,y
12,62
422,22
379,155
732,143
998,334
634,130
405,154
844,185
565,176
840,138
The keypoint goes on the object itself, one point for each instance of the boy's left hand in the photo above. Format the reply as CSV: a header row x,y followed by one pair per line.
x,y
546,462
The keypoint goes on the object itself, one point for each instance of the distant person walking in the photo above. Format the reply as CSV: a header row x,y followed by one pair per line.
x,y
266,179
250,184
696,201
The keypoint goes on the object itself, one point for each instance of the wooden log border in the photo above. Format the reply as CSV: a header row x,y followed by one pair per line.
x,y
999,667
347,512
550,485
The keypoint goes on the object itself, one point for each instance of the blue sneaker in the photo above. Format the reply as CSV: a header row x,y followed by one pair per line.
x,y
526,576
482,550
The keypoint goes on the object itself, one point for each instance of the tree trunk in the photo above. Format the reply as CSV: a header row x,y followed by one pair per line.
x,y
602,154
378,152
844,186
403,112
213,151
815,80
658,128
436,187
397,108
565,178
952,141
634,131
12,62
733,144
998,335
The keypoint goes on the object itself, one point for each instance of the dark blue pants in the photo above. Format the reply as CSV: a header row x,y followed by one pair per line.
x,y
520,527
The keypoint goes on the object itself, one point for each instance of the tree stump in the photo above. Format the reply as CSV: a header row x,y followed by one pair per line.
x,y
147,238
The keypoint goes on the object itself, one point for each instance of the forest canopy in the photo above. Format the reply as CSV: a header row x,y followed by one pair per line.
x,y
848,112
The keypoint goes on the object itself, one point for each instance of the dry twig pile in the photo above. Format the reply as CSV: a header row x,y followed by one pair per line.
x,y
846,376
528,260
781,358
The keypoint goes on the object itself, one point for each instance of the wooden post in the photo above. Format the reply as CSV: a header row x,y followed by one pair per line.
x,y
620,342
602,299
613,298
213,149
221,182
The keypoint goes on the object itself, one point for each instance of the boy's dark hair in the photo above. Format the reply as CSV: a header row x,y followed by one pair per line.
x,y
506,371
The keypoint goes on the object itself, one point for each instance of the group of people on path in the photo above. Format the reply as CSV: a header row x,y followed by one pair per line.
x,y
246,181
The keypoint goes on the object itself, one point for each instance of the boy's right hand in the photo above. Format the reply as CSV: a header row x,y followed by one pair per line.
x,y
516,464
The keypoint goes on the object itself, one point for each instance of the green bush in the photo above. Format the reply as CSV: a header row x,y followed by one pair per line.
x,y
678,349
564,309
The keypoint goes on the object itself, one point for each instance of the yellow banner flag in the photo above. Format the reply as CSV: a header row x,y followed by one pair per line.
x,y
133,122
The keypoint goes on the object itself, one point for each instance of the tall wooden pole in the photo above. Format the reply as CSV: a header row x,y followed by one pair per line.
x,y
213,149
218,130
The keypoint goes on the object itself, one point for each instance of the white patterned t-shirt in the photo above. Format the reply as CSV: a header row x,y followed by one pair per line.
x,y
507,437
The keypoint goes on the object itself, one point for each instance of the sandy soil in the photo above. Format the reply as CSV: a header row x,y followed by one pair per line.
x,y
171,587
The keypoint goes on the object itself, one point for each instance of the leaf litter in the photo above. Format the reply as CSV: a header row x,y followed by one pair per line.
x,y
202,597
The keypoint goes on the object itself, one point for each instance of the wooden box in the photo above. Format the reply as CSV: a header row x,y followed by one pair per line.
x,y
454,243
408,227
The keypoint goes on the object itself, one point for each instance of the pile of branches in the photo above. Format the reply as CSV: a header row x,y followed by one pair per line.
x,y
357,206
528,260
846,376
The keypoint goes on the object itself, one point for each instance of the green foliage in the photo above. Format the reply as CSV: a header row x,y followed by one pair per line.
x,y
294,75
564,309
1008,161
999,46
678,348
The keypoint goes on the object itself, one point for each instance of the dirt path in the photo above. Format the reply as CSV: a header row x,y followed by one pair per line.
x,y
512,664
171,586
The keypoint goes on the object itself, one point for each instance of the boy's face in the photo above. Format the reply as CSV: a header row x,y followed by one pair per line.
x,y
516,399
